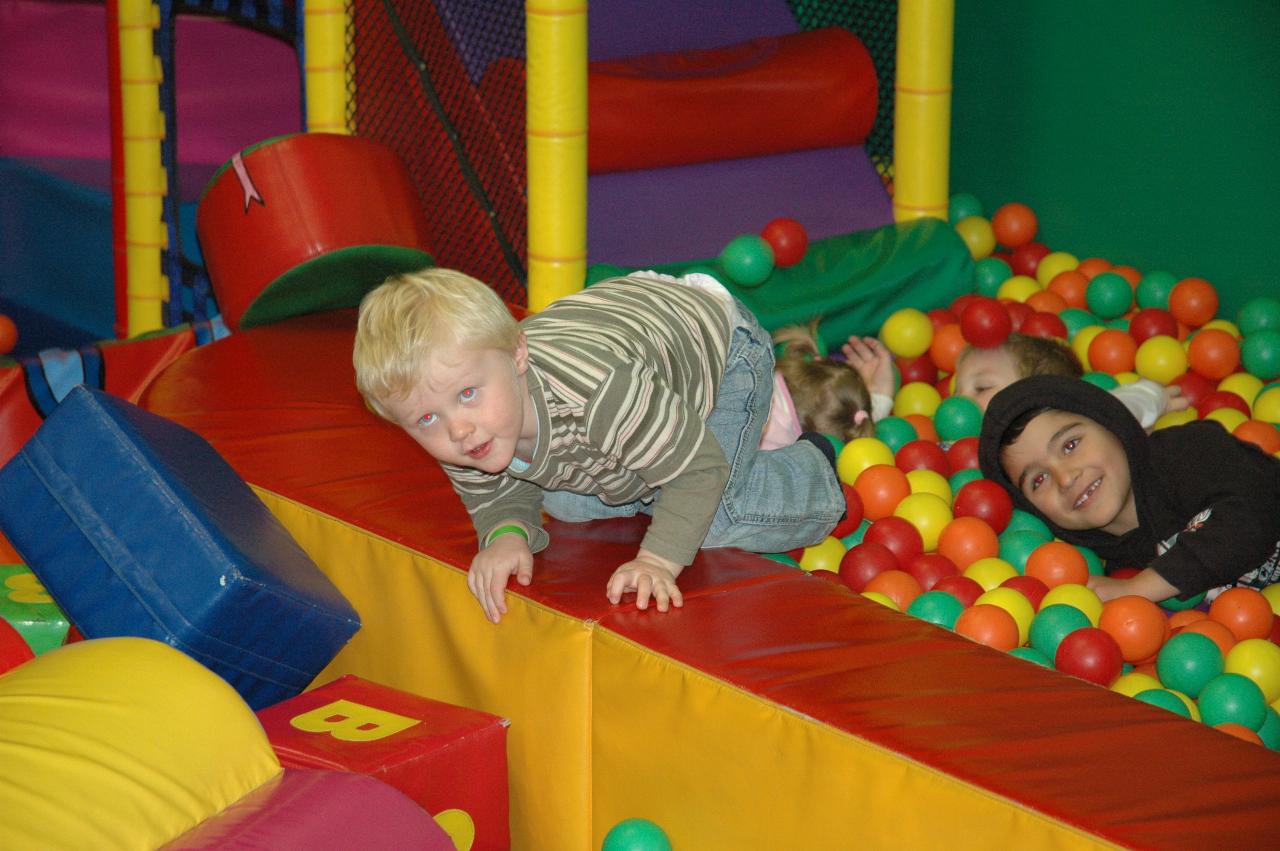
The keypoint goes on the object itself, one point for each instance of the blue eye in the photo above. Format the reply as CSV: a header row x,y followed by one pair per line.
x,y
468,394
426,419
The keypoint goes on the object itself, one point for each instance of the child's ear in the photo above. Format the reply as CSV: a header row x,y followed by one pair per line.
x,y
521,354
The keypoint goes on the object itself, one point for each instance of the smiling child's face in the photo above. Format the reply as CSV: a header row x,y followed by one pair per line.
x,y
1074,471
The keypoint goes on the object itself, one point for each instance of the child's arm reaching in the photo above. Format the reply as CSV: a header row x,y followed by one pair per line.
x,y
1148,401
649,575
874,363
505,553
1146,583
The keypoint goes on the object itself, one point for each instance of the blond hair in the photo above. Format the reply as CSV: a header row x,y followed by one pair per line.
x,y
827,394
1037,356
414,315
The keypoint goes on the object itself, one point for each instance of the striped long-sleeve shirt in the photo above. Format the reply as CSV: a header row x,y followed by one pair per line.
x,y
623,376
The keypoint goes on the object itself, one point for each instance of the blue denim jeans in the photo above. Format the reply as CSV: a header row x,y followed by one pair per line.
x,y
775,500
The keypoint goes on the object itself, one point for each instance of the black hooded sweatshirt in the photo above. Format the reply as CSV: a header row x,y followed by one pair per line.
x,y
1208,503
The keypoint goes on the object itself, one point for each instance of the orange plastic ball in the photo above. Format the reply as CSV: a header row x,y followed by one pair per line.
x,y
1071,285
1193,301
1057,563
8,335
1092,266
1113,351
1014,224
1211,629
881,487
1138,625
898,585
1240,731
1129,273
948,342
925,429
1214,353
989,625
1244,611
1262,434
1046,301
1179,619
966,539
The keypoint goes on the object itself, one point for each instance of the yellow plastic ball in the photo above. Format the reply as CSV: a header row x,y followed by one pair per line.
x,y
917,397
1259,660
978,235
824,555
1223,325
1229,417
1272,593
930,481
1075,595
1080,343
1018,288
1016,604
882,599
989,572
1174,418
1266,406
907,332
859,454
1189,703
1244,385
1054,263
1160,358
1126,377
1133,682
928,513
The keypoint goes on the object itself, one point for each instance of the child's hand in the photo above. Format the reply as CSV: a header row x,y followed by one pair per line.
x,y
650,576
493,566
1145,583
1174,400
872,361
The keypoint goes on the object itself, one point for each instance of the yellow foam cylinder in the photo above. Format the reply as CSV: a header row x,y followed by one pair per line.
x,y
922,109
324,32
557,148
145,180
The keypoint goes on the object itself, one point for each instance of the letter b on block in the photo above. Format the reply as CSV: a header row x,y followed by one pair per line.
x,y
352,722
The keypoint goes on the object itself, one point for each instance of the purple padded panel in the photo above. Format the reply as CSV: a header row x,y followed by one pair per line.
x,y
669,215
626,28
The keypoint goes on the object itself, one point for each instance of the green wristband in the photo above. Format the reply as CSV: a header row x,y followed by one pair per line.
x,y
502,530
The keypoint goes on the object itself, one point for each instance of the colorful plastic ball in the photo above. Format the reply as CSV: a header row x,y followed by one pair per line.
x,y
1057,563
948,343
1260,353
1112,351
1080,343
989,273
1213,353
1090,654
881,598
855,537
895,432
1132,682
1261,313
788,239
936,607
824,555
924,426
1071,286
1214,631
1014,224
1194,387
898,585
962,205
1244,385
853,513
1222,399
928,568
1188,661
1025,259
966,540
917,398
1266,406
1054,264
1017,546
1154,289
907,332
986,501
1044,301
1028,586
636,834
864,561
859,454
957,417
919,368
1030,654
1164,699
962,477
930,481
1079,596
928,513
963,453
989,572
1244,611
1160,359
1019,519
881,487
985,323
899,535
1138,626
8,335
1040,324
989,625
1053,623
922,455
747,260
1077,320
1265,436
1018,310
1151,322
1272,595
1193,301
1269,732
1259,660
1109,295
1018,288
961,587
977,235
1091,559
1239,731
1232,699
1013,602
1101,379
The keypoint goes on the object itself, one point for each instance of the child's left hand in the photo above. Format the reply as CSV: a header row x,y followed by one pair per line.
x,y
1174,400
873,362
651,577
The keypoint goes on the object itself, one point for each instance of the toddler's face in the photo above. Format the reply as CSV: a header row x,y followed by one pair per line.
x,y
1074,471
983,373
472,409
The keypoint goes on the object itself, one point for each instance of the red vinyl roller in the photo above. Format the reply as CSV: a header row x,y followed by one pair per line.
x,y
307,222
771,95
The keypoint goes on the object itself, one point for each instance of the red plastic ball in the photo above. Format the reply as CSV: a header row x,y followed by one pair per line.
x,y
963,588
985,500
929,568
1221,399
1014,224
960,302
853,512
1028,586
1018,312
1193,301
788,239
1026,258
940,316
985,323
8,335
1194,387
864,561
922,455
1090,654
899,535
1152,322
1041,324
919,368
963,454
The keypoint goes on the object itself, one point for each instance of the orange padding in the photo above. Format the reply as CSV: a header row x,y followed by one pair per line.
x,y
773,95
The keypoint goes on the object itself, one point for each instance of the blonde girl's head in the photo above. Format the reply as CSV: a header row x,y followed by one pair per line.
x,y
830,396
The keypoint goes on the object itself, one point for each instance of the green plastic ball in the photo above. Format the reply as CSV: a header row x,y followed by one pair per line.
x,y
1031,654
962,477
1188,661
1154,288
1260,354
1173,604
989,273
1108,295
1075,319
936,607
1025,520
1101,379
1232,698
636,834
1269,732
1259,314
957,417
855,537
1165,699
1092,560
962,205
781,558
1017,546
747,260
895,432
1054,623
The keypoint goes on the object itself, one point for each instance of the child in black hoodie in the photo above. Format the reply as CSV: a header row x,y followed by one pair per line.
x,y
1195,507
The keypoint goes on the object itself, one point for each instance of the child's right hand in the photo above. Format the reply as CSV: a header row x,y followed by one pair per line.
x,y
872,361
493,566
1174,400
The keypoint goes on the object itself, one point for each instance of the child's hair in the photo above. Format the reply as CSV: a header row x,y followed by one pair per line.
x,y
411,316
827,394
1038,356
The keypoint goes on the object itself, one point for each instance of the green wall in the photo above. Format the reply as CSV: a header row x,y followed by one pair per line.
x,y
1141,131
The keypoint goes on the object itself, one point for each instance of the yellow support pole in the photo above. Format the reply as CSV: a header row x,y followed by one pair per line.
x,y
324,34
922,109
145,180
557,148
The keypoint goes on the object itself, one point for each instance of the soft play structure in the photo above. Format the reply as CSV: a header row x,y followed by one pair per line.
x,y
776,708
